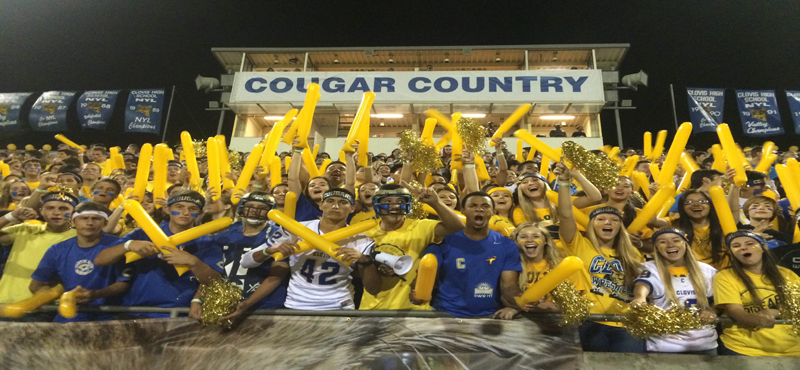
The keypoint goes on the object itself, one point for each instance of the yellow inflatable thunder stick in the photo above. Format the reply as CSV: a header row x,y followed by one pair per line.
x,y
731,153
324,166
674,155
519,150
191,159
768,157
247,173
311,165
723,209
640,179
18,309
659,147
272,141
67,305
480,169
333,237
551,280
510,122
315,152
297,128
614,155
655,171
290,204
313,239
719,159
791,185
110,164
202,230
648,144
427,131
689,166
224,163
275,172
652,208
152,230
426,277
142,171
458,145
64,140
160,161
214,178
629,165
538,145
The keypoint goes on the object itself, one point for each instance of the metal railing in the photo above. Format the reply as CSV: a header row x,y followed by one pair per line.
x,y
178,311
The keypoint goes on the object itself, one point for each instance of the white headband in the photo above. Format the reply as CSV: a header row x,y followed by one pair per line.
x,y
89,212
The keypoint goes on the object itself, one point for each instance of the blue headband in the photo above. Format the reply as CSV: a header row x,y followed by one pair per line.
x,y
605,210
736,234
186,198
339,194
60,197
531,174
669,230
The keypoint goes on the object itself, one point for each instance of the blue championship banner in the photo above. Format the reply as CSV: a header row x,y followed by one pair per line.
x,y
143,111
705,108
794,107
95,108
758,110
10,104
49,113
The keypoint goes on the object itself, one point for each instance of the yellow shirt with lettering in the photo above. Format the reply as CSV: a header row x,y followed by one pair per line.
x,y
701,247
778,341
542,213
607,289
536,270
362,216
410,239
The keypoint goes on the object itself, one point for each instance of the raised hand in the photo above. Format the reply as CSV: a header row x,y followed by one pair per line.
x,y
179,257
424,195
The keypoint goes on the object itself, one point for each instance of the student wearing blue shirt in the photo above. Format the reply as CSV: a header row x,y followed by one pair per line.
x,y
263,287
479,268
155,280
70,263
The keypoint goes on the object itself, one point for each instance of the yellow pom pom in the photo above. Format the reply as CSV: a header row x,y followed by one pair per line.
x,y
11,147
220,297
600,170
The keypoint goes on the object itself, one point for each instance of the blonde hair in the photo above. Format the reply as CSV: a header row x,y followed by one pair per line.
x,y
526,205
695,276
552,253
624,247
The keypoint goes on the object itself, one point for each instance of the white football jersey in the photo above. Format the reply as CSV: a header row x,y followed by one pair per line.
x,y
318,281
694,340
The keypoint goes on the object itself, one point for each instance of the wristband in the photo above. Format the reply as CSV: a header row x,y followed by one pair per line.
x,y
567,184
127,245
298,151
258,186
265,252
469,165
197,300
10,218
37,190
120,208
500,154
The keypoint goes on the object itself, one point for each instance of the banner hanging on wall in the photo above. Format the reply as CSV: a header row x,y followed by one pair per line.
x,y
95,108
794,107
49,112
706,107
143,111
758,110
10,104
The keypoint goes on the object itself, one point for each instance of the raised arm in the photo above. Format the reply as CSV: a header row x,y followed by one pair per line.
x,y
451,223
567,225
294,168
471,182
593,195
502,165
350,168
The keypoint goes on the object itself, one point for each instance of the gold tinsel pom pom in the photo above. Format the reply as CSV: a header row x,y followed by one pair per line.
x,y
573,304
647,320
599,170
790,307
417,213
425,158
199,148
235,159
473,134
220,297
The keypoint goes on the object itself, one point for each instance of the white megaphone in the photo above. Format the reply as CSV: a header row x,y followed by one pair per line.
x,y
400,264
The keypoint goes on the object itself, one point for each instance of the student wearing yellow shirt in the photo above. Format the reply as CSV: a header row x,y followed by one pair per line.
x,y
611,260
32,167
750,292
698,219
90,173
13,193
365,193
31,241
400,236
533,205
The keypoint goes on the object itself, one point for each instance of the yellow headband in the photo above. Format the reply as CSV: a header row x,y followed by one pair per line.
x,y
499,188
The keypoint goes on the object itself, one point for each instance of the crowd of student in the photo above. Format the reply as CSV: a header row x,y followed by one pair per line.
x,y
62,218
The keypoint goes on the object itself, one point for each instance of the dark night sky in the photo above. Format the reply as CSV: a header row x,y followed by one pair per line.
x,y
83,45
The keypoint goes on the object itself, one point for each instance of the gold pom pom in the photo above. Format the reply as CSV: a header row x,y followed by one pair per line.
x,y
220,297
417,213
790,307
199,148
601,171
647,320
425,159
572,303
473,134
235,159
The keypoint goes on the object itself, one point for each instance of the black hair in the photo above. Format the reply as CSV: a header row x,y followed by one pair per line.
x,y
32,160
34,153
699,175
336,162
476,194
69,152
396,167
714,227
117,186
92,206
72,162
642,161
448,189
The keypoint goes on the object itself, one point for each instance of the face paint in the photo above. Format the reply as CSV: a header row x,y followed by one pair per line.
x,y
96,192
194,214
539,241
14,193
175,213
66,215
110,194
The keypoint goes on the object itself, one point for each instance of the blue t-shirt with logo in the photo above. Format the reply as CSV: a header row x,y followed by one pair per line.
x,y
156,283
73,266
306,210
234,244
469,273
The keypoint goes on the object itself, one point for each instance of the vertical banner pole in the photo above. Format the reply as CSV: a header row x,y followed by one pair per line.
x,y
674,111
169,110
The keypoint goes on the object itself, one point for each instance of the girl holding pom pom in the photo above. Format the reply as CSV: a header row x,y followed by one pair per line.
x,y
689,283
613,263
751,292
